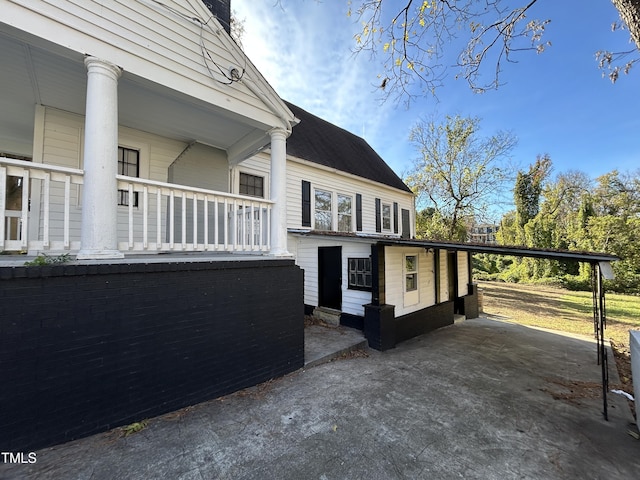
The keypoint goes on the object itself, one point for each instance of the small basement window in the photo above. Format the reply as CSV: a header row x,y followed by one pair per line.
x,y
360,273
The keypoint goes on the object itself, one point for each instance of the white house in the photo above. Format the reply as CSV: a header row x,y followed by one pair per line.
x,y
138,138
163,88
351,224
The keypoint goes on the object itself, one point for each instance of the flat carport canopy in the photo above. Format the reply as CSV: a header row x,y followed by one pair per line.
x,y
600,267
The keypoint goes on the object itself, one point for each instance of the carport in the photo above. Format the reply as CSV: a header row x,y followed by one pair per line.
x,y
600,269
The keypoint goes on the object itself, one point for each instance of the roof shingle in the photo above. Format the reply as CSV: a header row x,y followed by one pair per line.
x,y
319,141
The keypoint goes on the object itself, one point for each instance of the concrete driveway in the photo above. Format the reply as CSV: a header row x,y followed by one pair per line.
x,y
479,399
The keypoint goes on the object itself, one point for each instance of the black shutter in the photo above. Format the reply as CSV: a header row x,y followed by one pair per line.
x,y
395,217
378,216
306,203
406,224
358,212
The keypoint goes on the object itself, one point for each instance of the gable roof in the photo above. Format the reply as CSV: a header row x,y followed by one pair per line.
x,y
321,142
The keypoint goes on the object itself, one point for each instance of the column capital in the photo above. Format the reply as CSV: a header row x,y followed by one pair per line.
x,y
279,132
97,65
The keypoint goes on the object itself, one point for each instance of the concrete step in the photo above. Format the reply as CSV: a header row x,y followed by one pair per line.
x,y
323,344
457,318
328,315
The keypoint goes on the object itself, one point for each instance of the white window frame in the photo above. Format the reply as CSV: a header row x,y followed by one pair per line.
x,y
411,296
339,215
255,175
235,179
382,216
331,209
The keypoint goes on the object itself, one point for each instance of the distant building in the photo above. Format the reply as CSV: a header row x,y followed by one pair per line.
x,y
483,233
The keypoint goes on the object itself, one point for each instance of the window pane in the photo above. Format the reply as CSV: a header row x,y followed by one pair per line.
x,y
323,200
252,185
129,165
410,263
344,223
344,204
386,217
360,273
323,220
410,280
323,215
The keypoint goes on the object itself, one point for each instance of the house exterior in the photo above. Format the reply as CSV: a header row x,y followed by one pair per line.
x,y
351,228
140,140
121,124
483,233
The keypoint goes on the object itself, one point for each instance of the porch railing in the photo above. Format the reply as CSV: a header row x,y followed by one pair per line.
x,y
27,187
40,210
168,217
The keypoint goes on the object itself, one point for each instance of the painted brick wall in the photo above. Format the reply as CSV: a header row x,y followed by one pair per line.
x,y
85,348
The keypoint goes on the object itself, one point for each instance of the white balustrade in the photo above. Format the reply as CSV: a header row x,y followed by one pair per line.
x,y
42,212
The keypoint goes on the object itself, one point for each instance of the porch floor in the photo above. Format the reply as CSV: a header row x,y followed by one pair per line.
x,y
323,344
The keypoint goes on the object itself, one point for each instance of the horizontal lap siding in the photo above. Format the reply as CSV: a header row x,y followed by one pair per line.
x,y
149,40
463,274
307,259
62,146
343,184
444,277
394,279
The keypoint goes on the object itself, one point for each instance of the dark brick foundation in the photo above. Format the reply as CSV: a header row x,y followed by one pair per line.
x,y
85,348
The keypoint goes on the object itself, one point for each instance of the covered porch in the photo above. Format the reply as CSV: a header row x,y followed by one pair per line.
x,y
69,119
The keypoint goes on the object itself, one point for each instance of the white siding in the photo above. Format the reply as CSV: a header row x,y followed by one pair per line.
x,y
463,274
306,253
259,165
150,40
395,279
341,183
62,145
444,277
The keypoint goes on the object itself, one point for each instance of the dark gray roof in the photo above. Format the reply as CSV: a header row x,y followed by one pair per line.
x,y
321,142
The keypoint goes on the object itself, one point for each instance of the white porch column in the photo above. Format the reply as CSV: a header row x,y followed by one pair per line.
x,y
279,192
99,238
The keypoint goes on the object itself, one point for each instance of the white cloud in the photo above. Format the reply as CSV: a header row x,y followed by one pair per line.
x,y
303,50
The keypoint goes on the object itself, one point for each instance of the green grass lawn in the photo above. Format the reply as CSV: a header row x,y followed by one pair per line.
x,y
559,309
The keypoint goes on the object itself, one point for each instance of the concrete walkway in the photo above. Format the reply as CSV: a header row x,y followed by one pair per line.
x,y
325,343
480,399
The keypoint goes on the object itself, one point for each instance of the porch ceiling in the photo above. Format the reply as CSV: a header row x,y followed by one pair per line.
x,y
38,73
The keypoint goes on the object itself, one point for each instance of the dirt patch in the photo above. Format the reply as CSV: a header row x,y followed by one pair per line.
x,y
572,391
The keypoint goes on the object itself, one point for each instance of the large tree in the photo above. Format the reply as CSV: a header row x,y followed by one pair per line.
x,y
458,172
414,38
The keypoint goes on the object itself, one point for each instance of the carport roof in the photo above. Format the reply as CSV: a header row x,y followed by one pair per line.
x,y
517,251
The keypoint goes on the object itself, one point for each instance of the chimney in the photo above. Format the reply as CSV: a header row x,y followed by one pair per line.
x,y
221,9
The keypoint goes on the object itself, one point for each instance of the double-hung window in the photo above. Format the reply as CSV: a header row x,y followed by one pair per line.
x,y
386,217
411,290
323,212
410,273
129,165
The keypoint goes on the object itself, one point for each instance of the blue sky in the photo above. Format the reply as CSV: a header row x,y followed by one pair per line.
x,y
556,103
